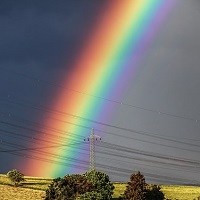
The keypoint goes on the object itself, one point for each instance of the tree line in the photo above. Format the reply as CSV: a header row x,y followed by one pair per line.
x,y
94,185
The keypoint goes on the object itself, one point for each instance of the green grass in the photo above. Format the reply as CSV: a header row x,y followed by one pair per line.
x,y
172,192
34,188
30,182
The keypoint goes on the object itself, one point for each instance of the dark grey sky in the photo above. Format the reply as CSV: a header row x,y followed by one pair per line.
x,y
168,80
42,38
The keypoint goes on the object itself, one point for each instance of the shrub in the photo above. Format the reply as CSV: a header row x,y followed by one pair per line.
x,y
154,193
15,176
91,196
101,183
136,188
69,187
92,185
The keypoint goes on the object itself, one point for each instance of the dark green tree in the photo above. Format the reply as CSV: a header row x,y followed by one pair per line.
x,y
101,183
70,187
153,193
136,187
15,176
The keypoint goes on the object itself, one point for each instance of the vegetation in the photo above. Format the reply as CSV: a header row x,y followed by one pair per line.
x,y
180,192
119,190
16,177
70,187
91,185
19,193
136,188
34,188
154,193
91,196
101,184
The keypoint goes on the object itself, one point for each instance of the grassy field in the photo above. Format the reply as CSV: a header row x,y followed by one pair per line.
x,y
31,189
34,189
172,192
181,192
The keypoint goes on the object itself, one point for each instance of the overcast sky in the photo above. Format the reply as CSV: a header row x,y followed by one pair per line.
x,y
42,38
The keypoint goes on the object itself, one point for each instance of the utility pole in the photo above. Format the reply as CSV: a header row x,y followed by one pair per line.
x,y
92,139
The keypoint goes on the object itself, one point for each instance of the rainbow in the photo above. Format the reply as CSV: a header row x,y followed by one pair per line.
x,y
107,62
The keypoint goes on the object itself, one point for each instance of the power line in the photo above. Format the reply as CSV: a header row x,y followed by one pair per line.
x,y
35,148
44,147
158,163
153,164
57,162
64,138
118,102
150,154
150,134
175,139
36,138
52,146
114,169
127,150
33,157
74,133
45,134
57,157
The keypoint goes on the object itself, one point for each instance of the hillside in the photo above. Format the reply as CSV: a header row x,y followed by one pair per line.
x,y
34,189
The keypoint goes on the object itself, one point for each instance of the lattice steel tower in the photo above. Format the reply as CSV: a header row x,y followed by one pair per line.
x,y
92,150
92,139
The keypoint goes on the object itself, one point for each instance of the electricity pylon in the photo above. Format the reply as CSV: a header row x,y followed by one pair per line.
x,y
92,139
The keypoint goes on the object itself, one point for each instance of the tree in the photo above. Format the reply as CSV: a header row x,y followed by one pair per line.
x,y
15,176
101,183
69,187
91,196
136,188
154,193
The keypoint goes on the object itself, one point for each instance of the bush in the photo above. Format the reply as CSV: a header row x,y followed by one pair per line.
x,y
91,196
136,188
154,193
92,185
101,184
16,177
69,187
